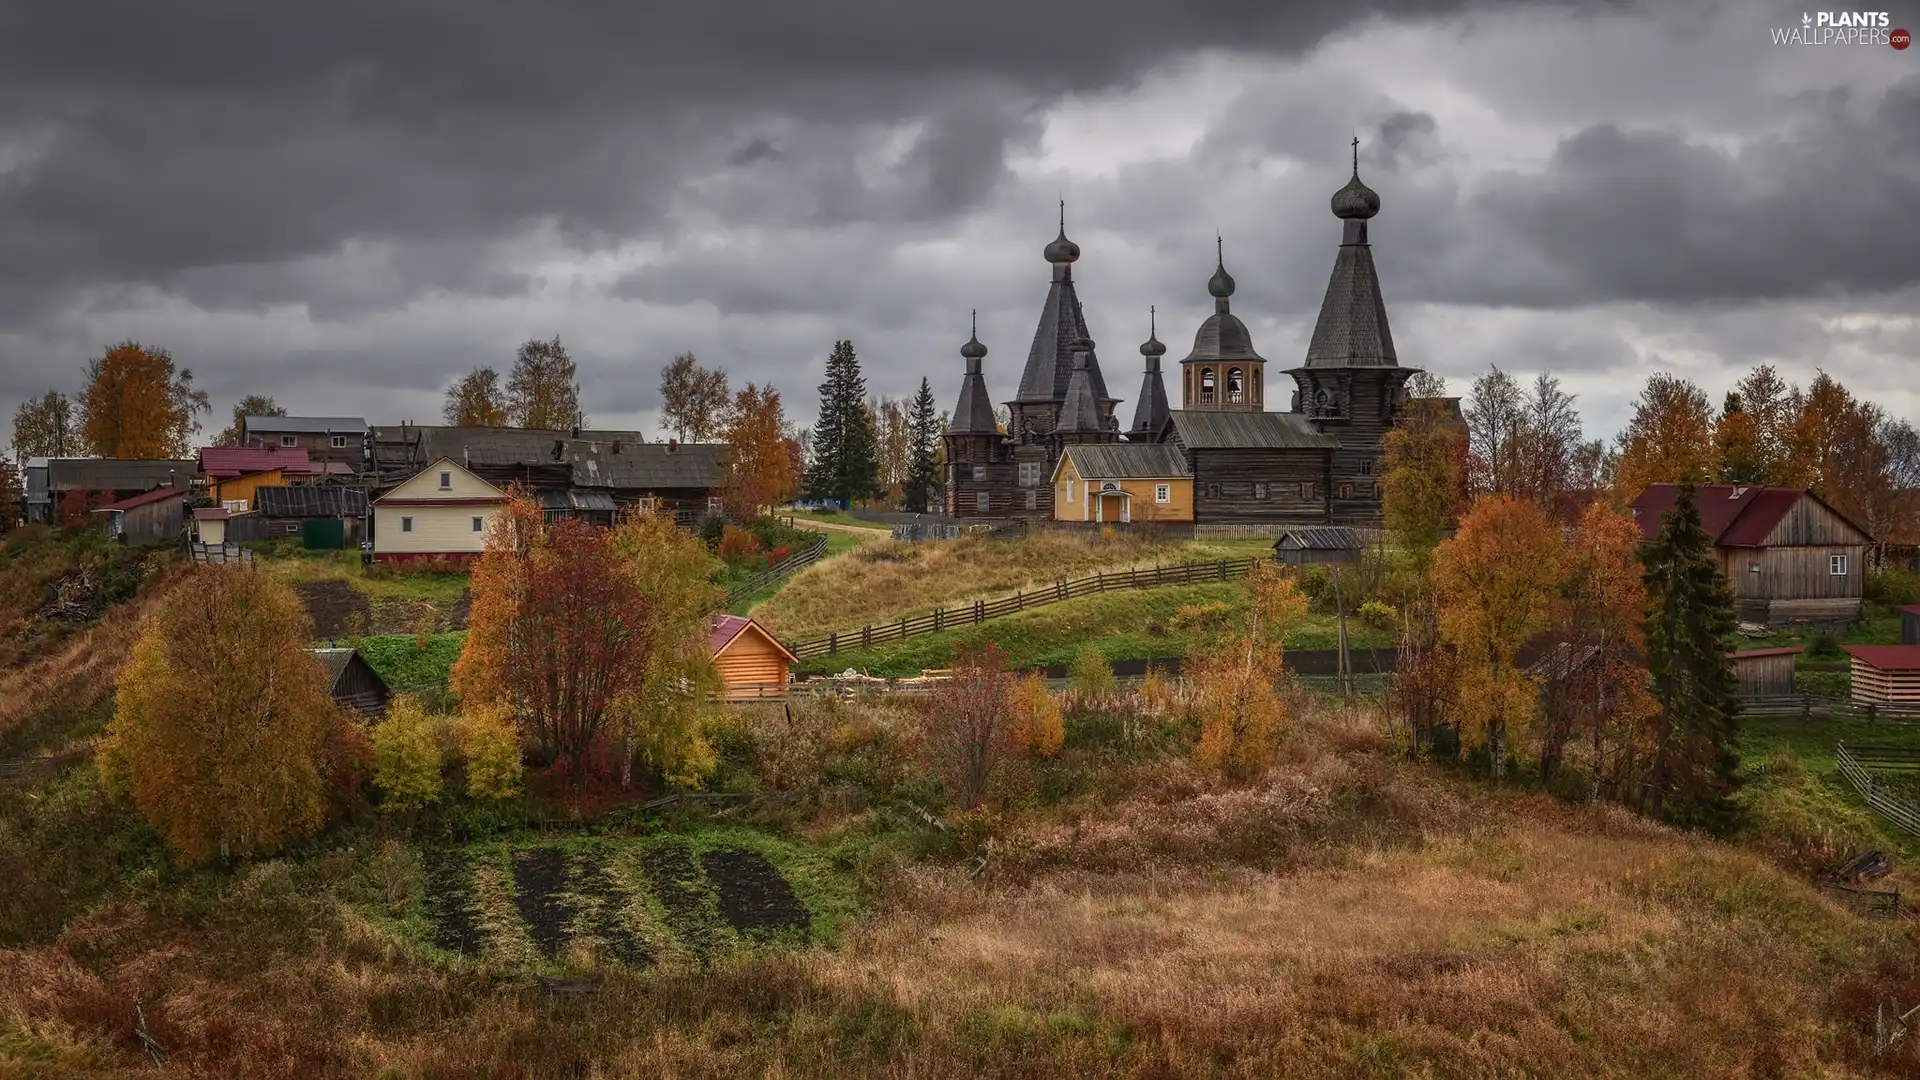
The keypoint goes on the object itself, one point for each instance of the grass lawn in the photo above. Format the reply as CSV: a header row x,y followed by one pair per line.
x,y
403,664
1791,782
1134,625
345,566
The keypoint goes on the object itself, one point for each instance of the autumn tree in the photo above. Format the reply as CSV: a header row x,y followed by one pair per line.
x,y
1669,438
1232,677
136,405
221,718
922,487
1495,411
251,405
1771,407
1426,384
476,400
44,427
490,746
1035,710
693,399
1736,444
672,713
1838,439
559,633
1423,481
1693,751
12,496
1546,468
893,436
968,731
760,469
845,458
1598,687
407,755
1496,583
542,391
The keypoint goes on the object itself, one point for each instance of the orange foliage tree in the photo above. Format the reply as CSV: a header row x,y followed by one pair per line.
x,y
1669,438
136,406
760,473
222,720
1497,582
1233,678
1600,689
559,632
1424,483
968,730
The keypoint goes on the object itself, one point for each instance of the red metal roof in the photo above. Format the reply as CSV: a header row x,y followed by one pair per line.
x,y
1911,609
1742,522
725,628
154,496
227,462
1764,652
1887,657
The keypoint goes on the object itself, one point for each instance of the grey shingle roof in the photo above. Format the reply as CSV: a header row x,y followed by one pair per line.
x,y
1210,430
1150,412
1080,411
1223,337
1322,538
1352,329
117,474
1050,361
973,414
1122,461
603,459
331,425
310,501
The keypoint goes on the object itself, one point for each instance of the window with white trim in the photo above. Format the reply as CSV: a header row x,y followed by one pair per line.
x,y
1032,473
479,524
1033,499
979,474
1069,490
1162,493
288,440
980,502
406,524
1837,565
339,442
446,481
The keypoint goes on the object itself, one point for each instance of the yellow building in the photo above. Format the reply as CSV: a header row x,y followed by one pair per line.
x,y
441,512
752,663
1122,482
235,494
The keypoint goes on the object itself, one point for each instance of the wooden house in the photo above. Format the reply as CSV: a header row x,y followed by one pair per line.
x,y
338,443
1319,545
1257,467
1789,555
753,664
353,682
1885,674
160,514
441,512
1910,625
50,480
210,525
1764,672
1123,482
322,516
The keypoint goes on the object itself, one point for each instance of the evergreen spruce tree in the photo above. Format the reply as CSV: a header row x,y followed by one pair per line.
x,y
846,463
923,426
1695,749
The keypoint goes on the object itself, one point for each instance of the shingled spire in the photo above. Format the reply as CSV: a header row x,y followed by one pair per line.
x,y
1150,413
1080,412
1352,329
973,415
1050,361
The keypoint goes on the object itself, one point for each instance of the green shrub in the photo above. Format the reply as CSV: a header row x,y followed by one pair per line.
x,y
1091,676
1376,614
407,756
1893,587
1836,684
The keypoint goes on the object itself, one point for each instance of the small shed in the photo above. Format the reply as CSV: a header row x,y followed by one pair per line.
x,y
1885,674
159,514
323,516
353,682
1910,625
210,525
752,662
1322,545
1764,672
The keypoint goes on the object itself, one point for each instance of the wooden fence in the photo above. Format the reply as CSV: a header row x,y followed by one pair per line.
x,y
1808,706
219,554
793,563
982,610
1859,763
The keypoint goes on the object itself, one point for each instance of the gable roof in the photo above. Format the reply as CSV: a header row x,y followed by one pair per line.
x,y
117,474
725,628
1125,461
609,459
156,495
1745,521
310,501
1208,430
1755,654
305,425
228,462
1322,538
1887,657
435,466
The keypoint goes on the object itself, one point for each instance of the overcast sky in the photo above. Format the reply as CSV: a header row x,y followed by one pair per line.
x,y
348,205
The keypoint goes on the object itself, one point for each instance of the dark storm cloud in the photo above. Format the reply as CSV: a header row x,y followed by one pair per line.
x,y
1822,208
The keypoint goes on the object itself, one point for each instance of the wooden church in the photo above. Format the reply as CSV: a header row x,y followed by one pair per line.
x,y
1316,463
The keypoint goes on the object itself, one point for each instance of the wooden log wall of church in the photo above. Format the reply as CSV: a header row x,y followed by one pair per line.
x,y
1227,486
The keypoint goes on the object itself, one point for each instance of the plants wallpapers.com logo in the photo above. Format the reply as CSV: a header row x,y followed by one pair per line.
x,y
1843,28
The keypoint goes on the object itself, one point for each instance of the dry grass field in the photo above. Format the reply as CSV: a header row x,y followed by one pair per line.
x,y
1346,914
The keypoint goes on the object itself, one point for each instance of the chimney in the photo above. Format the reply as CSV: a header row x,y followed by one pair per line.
x,y
466,457
616,446
673,446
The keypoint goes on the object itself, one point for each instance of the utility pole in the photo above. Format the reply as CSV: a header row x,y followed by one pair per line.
x,y
1344,665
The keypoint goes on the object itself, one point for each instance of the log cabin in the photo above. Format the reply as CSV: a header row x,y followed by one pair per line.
x,y
753,664
1322,545
1885,674
1789,556
353,683
1764,672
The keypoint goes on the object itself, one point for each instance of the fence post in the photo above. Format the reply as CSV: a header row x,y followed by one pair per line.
x,y
1871,709
979,610
833,644
1019,600
866,635
936,620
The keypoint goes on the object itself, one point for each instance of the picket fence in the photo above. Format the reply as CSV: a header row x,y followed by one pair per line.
x,y
1859,763
982,610
793,563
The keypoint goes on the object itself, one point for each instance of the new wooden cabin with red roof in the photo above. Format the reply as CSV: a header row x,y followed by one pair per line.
x,y
751,661
1790,556
1885,674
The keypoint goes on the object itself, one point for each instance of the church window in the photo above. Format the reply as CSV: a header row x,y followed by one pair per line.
x,y
1236,390
1213,491
1030,473
1306,491
1033,499
1206,386
980,501
1259,490
979,474
1366,468
1346,491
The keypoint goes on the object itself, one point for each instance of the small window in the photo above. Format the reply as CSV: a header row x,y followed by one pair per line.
x,y
1069,490
1259,490
1306,491
1033,499
979,474
479,524
1346,491
446,481
1031,473
406,524
1837,565
339,442
1162,493
1213,491
288,440
1366,468
980,501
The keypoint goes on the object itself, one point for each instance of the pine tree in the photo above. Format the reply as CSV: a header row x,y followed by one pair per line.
x,y
1694,736
924,433
845,454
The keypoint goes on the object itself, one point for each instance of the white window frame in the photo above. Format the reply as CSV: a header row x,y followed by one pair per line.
x,y
406,524
289,440
981,505
979,474
446,481
339,442
479,524
1033,499
1070,491
1837,565
1162,493
1032,474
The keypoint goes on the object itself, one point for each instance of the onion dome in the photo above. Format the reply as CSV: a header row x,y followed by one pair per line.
x,y
1356,201
1220,285
1062,251
1153,347
973,350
